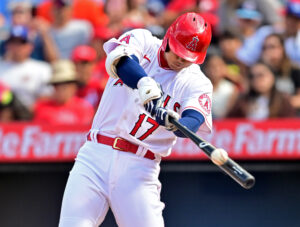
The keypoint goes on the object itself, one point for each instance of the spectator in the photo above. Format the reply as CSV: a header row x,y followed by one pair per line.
x,y
116,10
64,107
2,26
60,38
11,109
84,58
287,75
130,14
21,13
263,99
229,44
9,7
26,77
292,30
90,10
224,91
249,20
270,12
137,15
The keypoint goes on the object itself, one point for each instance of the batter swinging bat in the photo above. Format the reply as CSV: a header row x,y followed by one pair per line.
x,y
234,170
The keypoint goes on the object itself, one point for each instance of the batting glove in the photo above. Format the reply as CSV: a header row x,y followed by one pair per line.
x,y
151,106
162,118
148,89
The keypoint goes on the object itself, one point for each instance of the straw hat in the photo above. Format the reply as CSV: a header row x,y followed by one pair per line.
x,y
63,72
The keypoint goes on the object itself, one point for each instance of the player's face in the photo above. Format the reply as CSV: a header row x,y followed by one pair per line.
x,y
175,62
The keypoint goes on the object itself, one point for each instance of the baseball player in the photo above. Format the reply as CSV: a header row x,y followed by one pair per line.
x,y
150,80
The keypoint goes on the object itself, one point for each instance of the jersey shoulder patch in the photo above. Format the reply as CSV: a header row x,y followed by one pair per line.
x,y
205,103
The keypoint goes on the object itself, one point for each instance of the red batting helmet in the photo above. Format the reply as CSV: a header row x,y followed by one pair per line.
x,y
189,37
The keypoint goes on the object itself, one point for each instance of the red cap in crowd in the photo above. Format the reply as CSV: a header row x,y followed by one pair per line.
x,y
104,33
84,53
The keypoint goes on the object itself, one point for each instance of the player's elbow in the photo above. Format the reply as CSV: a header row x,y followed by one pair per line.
x,y
129,70
114,57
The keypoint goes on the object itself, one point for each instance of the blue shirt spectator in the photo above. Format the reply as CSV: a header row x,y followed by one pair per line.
x,y
249,20
292,43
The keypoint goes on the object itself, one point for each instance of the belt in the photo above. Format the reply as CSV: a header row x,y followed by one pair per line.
x,y
120,144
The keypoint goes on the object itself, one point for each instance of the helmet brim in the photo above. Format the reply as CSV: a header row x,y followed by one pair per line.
x,y
181,51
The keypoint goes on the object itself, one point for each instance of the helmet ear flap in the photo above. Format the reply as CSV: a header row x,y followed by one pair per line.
x,y
167,46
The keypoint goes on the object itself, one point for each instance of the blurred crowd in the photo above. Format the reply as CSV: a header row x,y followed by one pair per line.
x,y
52,66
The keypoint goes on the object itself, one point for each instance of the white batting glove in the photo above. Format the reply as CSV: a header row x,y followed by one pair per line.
x,y
162,118
148,89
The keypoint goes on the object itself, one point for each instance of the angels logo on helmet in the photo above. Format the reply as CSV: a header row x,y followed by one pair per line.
x,y
189,37
193,44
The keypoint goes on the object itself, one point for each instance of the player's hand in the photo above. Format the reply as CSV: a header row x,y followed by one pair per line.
x,y
148,90
151,106
162,118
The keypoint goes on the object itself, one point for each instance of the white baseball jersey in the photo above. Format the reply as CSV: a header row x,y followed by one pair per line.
x,y
121,112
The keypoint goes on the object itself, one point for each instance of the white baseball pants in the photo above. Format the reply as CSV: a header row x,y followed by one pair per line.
x,y
103,177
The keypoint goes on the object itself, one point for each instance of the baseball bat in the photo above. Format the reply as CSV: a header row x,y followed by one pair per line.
x,y
234,170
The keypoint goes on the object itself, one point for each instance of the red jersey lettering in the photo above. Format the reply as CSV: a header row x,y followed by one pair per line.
x,y
176,107
167,100
125,39
119,81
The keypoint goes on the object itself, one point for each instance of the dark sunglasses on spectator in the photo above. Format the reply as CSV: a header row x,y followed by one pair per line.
x,y
83,62
62,3
17,11
17,41
247,20
265,47
64,83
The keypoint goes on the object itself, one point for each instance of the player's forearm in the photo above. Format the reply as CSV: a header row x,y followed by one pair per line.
x,y
130,71
192,120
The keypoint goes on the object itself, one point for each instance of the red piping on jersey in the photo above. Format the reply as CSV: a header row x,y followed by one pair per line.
x,y
204,115
146,57
161,59
167,100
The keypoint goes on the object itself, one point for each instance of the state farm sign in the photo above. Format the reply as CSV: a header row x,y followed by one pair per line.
x,y
267,140
22,142
272,139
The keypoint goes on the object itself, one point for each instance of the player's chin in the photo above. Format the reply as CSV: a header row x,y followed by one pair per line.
x,y
176,67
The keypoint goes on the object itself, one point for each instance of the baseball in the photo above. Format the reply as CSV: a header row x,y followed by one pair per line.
x,y
219,156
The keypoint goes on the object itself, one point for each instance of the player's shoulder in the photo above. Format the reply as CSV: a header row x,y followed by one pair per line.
x,y
138,33
144,38
195,77
136,37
